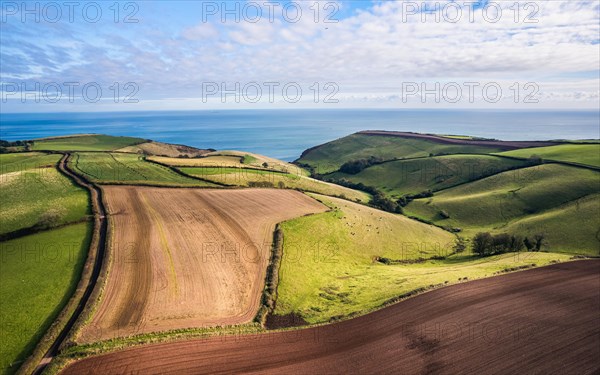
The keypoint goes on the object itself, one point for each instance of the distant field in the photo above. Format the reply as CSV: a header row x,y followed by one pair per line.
x,y
27,160
494,202
250,177
185,258
163,149
27,195
128,168
95,142
232,161
329,157
397,178
575,153
328,267
38,274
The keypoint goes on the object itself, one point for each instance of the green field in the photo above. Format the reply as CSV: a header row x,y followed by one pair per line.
x,y
10,163
262,178
574,153
328,267
494,202
329,157
121,168
38,274
397,178
29,196
93,142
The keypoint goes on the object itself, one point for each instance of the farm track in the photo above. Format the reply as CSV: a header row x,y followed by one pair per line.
x,y
537,321
99,241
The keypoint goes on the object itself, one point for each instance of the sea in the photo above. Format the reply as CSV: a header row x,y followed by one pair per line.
x,y
284,133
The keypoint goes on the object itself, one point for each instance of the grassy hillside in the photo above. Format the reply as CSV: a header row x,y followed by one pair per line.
x,y
265,178
494,202
397,178
575,153
27,196
572,228
38,274
329,269
92,142
128,168
329,157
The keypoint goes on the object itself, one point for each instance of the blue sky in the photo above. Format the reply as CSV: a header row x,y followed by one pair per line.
x,y
352,54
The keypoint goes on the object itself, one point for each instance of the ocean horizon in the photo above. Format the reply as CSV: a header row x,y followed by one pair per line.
x,y
285,133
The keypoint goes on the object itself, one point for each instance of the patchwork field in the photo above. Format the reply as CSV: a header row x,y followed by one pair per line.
x,y
252,177
574,153
494,202
34,193
330,269
397,178
119,168
88,142
537,321
164,149
38,274
185,258
233,159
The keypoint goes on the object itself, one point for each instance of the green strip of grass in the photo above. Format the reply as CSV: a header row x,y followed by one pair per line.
x,y
38,274
588,154
95,142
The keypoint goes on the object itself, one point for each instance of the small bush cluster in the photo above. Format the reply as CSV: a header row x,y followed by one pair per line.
x,y
4,145
485,244
356,166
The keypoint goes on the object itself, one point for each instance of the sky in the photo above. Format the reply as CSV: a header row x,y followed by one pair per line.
x,y
183,55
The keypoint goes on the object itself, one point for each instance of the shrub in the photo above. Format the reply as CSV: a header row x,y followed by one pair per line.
x,y
50,218
355,166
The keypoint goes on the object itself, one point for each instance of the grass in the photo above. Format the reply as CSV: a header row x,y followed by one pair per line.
x,y
493,203
570,228
397,178
10,163
329,157
252,177
329,272
26,195
588,154
93,142
128,168
38,274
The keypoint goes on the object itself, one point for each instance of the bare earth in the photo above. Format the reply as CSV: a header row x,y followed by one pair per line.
x,y
185,258
541,321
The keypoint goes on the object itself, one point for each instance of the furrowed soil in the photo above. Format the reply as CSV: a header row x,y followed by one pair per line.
x,y
539,321
183,258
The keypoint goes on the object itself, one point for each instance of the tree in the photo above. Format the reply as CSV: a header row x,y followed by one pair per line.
x,y
539,241
482,243
265,165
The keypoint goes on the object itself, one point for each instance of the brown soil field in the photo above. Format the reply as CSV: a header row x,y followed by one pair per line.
x,y
182,258
540,321
508,145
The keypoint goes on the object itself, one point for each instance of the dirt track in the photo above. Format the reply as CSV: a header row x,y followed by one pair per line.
x,y
540,321
184,258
